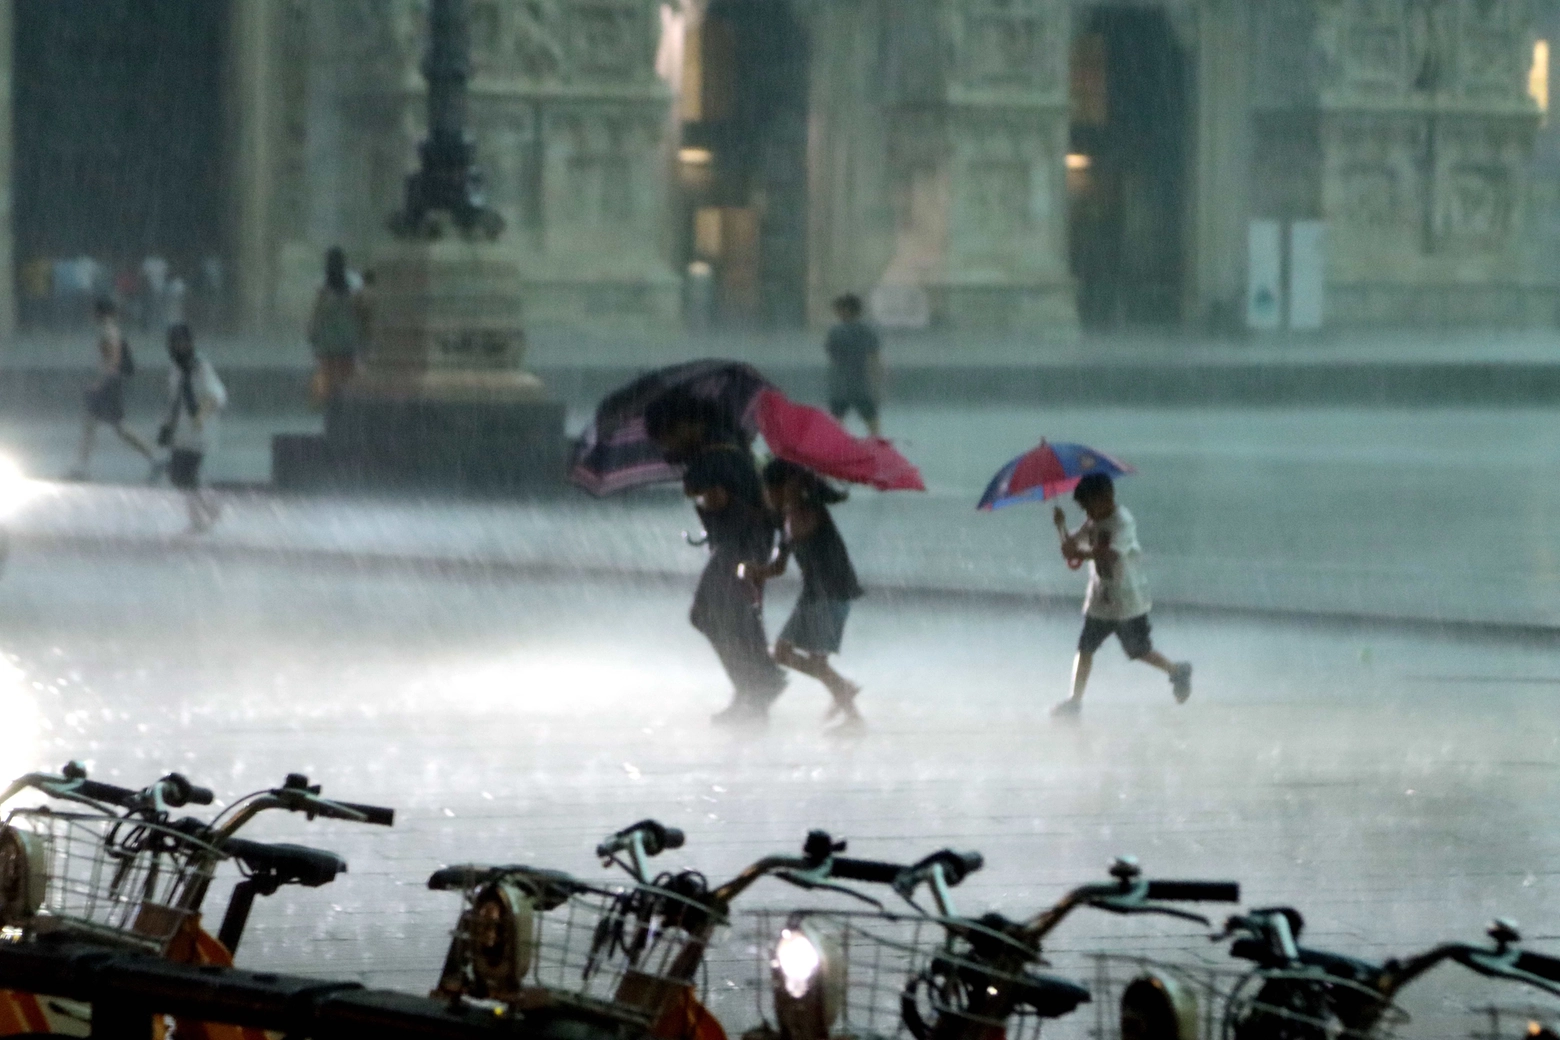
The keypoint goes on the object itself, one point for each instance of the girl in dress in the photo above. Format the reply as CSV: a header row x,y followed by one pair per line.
x,y
829,586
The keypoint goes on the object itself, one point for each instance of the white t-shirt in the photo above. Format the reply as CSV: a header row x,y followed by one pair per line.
x,y
1125,593
210,396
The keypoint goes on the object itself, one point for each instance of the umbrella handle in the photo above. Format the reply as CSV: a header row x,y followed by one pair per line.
x,y
702,540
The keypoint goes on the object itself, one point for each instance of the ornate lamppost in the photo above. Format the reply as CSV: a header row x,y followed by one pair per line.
x,y
442,400
447,188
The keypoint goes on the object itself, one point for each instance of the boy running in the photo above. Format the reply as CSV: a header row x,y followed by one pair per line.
x,y
1117,602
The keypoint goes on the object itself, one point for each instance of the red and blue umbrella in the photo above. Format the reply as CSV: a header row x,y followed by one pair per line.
x,y
1047,471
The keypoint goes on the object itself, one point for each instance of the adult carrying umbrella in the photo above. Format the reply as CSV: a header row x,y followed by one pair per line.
x,y
1047,471
614,453
813,438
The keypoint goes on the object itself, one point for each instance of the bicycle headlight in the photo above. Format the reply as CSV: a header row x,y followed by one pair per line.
x,y
500,929
1158,1006
809,978
23,876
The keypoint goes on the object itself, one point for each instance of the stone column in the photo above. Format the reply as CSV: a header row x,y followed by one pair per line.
x,y
251,72
7,236
1221,165
976,152
852,239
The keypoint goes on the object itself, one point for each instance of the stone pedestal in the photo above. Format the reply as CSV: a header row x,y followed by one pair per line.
x,y
442,402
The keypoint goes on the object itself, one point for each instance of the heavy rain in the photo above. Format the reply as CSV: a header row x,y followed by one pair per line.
x,y
611,443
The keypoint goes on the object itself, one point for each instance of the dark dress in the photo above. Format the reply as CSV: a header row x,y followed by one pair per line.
x,y
727,609
829,584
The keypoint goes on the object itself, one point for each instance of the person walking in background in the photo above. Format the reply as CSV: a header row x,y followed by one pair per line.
x,y
105,398
196,400
855,364
335,330
1117,602
817,623
719,475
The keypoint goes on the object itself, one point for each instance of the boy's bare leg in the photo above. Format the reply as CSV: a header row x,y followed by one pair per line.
x,y
84,451
817,667
874,427
1158,660
135,441
1083,664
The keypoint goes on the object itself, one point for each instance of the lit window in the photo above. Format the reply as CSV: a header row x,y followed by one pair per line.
x,y
696,156
1538,76
1077,161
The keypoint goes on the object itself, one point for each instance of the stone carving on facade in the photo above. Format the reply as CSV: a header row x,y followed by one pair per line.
x,y
1010,44
612,40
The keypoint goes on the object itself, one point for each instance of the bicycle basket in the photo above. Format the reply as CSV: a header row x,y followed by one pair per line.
x,y
1304,1003
116,880
530,940
822,974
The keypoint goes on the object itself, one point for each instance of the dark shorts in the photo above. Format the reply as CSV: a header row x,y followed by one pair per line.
x,y
817,625
842,402
184,469
106,403
1133,633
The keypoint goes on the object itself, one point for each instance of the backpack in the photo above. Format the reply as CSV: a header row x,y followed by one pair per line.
x,y
126,360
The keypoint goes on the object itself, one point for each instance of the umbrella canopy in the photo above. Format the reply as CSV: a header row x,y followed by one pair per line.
x,y
614,452
813,438
1050,469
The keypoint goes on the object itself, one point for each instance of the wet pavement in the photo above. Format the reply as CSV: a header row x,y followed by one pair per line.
x,y
1396,783
1431,514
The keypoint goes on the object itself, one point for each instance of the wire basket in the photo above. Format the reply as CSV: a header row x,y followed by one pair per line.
x,y
118,880
1193,997
902,976
633,954
1506,1021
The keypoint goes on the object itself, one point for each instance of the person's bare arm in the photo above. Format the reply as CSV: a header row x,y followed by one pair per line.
x,y
1072,550
713,499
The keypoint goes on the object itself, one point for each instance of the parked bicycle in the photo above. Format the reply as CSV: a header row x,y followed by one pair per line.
x,y
122,872
581,960
938,975
1293,992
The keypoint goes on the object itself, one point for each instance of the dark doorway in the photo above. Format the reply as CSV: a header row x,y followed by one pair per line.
x,y
1126,169
743,160
118,144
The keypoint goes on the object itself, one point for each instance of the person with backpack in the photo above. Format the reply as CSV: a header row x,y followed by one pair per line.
x,y
105,398
196,399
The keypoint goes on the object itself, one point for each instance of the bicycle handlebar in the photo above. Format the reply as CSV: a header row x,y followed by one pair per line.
x,y
1194,891
655,837
871,871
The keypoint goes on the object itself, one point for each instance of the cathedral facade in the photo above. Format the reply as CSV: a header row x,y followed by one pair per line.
x,y
1024,167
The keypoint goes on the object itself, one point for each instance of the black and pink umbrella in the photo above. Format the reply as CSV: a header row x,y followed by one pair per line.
x,y
614,453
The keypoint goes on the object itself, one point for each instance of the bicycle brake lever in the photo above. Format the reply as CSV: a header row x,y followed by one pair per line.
x,y
1115,906
812,882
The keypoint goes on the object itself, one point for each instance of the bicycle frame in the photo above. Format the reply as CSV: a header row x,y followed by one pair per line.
x,y
205,845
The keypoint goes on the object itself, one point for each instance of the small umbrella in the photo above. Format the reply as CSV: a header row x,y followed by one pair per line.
x,y
1050,469
813,438
614,452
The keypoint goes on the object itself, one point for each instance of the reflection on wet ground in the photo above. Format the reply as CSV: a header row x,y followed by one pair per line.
x,y
1397,784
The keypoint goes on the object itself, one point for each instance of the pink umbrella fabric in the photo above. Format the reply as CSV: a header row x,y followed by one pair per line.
x,y
813,438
